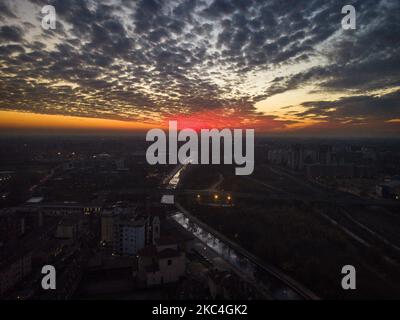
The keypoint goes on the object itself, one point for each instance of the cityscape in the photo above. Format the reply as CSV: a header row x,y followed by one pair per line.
x,y
115,227
221,151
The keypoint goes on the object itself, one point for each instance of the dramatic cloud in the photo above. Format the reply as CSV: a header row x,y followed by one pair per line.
x,y
356,108
10,34
149,60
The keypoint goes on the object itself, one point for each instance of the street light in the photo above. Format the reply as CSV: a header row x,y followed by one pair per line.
x,y
216,197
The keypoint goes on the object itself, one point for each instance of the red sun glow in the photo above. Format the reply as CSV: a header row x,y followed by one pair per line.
x,y
220,119
217,119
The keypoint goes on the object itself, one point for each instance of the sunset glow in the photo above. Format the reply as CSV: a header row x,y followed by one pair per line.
x,y
25,120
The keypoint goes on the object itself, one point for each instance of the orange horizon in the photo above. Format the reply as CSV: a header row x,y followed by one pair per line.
x,y
205,119
28,120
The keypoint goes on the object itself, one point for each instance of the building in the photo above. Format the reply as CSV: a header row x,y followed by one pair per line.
x,y
64,208
14,271
109,216
160,264
123,226
68,230
324,154
107,225
153,229
330,171
389,190
278,156
129,235
364,171
120,164
296,158
12,226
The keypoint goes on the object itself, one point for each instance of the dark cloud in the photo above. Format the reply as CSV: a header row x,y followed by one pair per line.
x,y
367,59
11,34
219,8
10,49
356,108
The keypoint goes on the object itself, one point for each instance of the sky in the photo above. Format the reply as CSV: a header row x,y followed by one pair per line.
x,y
278,66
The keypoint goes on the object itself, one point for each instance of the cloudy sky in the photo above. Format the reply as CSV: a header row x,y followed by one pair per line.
x,y
274,65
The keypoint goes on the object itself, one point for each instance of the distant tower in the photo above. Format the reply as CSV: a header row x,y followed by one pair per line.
x,y
40,218
324,154
296,157
148,205
155,229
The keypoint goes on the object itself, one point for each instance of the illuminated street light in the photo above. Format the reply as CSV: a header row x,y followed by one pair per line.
x,y
229,198
216,197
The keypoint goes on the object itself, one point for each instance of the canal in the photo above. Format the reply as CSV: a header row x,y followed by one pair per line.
x,y
270,279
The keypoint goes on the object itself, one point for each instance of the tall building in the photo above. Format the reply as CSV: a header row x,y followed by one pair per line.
x,y
12,225
13,271
296,158
325,154
153,229
107,224
68,230
109,216
129,235
120,164
126,230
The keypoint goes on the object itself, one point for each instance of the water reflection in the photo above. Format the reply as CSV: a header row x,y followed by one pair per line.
x,y
247,267
254,272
